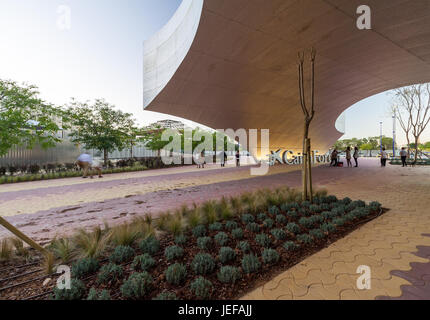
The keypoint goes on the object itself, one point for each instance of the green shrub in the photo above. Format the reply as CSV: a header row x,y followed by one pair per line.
x,y
109,273
217,226
250,264
122,254
173,252
346,201
150,245
165,296
204,243
101,296
317,233
263,240
231,225
328,227
199,231
176,274
244,246
228,274
293,228
203,263
270,256
226,254
306,222
261,217
274,210
306,204
237,233
339,221
202,288
248,218
325,206
360,204
291,246
315,208
285,207
181,240
332,199
316,219
253,227
76,292
279,234
305,238
292,214
221,238
85,267
375,206
327,215
268,223
143,262
281,219
350,216
137,285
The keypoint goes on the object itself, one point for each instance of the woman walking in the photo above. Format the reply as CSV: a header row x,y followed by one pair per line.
x,y
348,157
356,156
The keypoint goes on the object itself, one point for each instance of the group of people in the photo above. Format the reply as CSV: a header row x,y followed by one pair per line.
x,y
200,159
349,156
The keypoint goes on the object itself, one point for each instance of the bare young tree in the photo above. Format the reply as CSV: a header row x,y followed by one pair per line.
x,y
309,113
412,109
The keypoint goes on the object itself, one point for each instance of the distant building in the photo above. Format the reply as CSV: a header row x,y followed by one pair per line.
x,y
167,124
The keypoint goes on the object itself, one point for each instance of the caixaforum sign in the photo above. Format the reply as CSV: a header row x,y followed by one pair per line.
x,y
290,158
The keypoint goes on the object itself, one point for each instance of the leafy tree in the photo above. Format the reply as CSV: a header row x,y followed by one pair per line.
x,y
99,126
25,119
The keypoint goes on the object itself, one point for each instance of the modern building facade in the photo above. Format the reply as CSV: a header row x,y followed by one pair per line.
x,y
233,63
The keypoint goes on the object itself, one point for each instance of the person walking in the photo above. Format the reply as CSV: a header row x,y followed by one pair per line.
x,y
334,155
84,162
223,159
404,156
384,157
348,157
237,158
356,156
97,165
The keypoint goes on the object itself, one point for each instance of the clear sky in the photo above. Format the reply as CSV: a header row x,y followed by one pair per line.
x,y
99,55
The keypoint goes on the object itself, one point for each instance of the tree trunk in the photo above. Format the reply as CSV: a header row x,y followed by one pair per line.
x,y
305,162
105,155
416,149
310,157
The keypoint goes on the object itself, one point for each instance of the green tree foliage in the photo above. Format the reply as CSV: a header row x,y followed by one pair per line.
x,y
99,126
25,119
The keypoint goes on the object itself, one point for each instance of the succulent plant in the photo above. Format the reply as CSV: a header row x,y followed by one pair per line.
x,y
84,267
76,292
221,238
244,246
339,221
253,227
293,228
250,264
248,218
176,274
291,246
328,227
143,262
268,223
101,296
306,222
109,273
279,234
292,214
181,240
237,234
204,243
165,296
202,288
305,238
274,210
263,240
226,254
261,217
229,274
231,225
199,231
270,256
137,285
217,226
203,263
150,245
173,252
317,233
122,254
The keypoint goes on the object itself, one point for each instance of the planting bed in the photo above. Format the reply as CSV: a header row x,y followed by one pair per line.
x,y
255,247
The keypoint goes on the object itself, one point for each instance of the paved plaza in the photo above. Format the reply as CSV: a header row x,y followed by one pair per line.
x,y
395,246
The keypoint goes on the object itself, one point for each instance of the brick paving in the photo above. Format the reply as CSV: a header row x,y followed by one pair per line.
x,y
394,246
